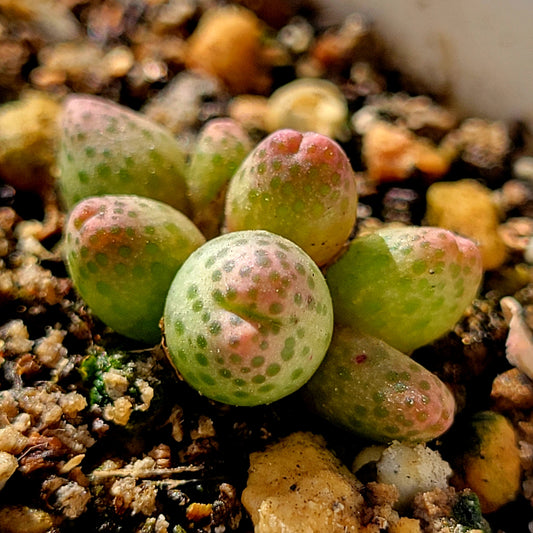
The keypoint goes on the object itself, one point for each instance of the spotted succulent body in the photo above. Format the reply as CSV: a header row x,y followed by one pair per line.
x,y
122,253
248,318
377,392
106,148
298,185
407,286
220,148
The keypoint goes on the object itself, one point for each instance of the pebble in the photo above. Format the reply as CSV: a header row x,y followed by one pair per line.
x,y
228,44
335,50
481,143
105,22
309,104
53,20
8,466
466,207
28,126
16,518
414,112
365,80
398,204
297,36
512,389
392,153
517,233
250,111
523,168
118,61
299,472
173,14
13,56
528,254
84,66
515,194
179,105
519,344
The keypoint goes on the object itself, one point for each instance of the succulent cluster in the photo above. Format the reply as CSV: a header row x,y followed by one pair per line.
x,y
278,298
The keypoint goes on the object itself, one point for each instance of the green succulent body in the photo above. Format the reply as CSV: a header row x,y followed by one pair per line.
x,y
220,148
407,286
106,148
298,185
248,318
377,392
122,252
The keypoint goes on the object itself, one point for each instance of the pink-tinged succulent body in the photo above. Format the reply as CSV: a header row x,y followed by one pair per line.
x,y
407,286
248,318
377,392
106,148
122,253
298,185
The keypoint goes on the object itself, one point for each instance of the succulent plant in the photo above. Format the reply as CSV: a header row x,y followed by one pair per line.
x,y
220,148
138,379
377,392
106,148
407,286
298,185
248,318
122,253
